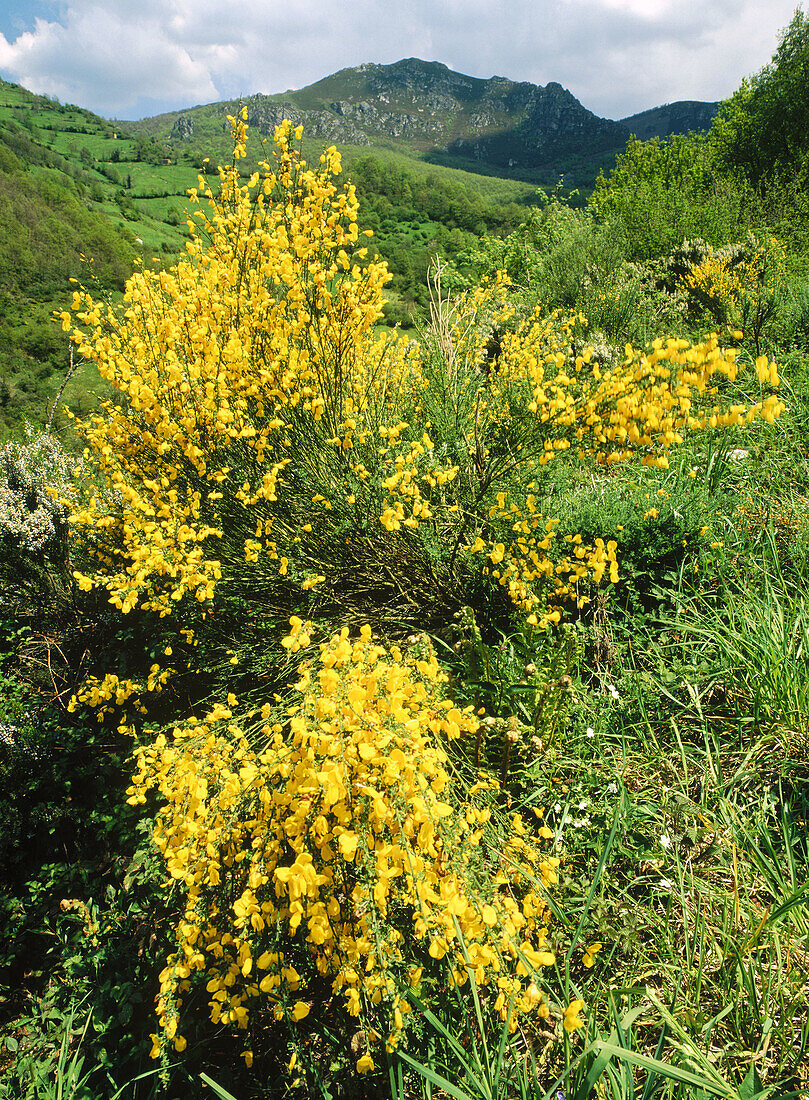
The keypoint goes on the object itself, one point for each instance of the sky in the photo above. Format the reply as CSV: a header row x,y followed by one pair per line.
x,y
128,59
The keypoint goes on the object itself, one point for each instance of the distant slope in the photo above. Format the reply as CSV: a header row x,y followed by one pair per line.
x,y
83,198
68,181
46,230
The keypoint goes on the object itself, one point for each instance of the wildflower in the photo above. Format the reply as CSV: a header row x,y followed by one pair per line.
x,y
665,840
351,814
572,1018
590,954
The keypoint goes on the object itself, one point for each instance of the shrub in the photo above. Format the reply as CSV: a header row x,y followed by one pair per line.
x,y
342,847
737,286
273,453
663,192
33,523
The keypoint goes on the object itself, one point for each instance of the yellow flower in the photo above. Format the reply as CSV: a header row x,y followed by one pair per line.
x,y
590,953
572,1018
365,1064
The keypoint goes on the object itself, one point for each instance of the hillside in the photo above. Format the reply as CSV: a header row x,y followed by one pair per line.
x,y
496,126
671,118
83,198
78,200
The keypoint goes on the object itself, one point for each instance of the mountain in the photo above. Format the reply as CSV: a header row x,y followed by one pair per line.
x,y
495,126
671,118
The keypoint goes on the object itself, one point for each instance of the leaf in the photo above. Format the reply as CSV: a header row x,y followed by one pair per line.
x,y
664,1069
223,1094
751,1086
428,1073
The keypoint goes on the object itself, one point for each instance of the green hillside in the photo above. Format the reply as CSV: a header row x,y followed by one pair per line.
x,y
84,198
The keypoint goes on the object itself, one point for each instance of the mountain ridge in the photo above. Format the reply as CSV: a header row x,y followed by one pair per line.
x,y
493,125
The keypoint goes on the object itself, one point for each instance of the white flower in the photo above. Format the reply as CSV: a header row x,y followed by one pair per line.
x,y
30,517
665,840
613,690
590,732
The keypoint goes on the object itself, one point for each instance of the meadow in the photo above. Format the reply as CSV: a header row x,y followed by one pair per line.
x,y
422,713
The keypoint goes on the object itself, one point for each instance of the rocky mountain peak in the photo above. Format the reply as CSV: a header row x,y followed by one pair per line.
x,y
430,111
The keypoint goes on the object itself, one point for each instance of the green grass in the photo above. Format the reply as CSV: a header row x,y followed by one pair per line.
x,y
494,188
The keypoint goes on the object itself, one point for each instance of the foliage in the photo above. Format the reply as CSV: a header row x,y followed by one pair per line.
x,y
33,526
663,192
283,388
761,129
415,218
46,230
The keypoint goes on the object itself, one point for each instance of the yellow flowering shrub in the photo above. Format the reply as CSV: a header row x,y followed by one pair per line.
x,y
738,285
534,402
343,841
270,442
259,340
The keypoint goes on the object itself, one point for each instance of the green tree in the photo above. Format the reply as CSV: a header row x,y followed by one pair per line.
x,y
764,128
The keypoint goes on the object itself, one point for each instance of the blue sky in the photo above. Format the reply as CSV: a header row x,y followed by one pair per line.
x,y
128,59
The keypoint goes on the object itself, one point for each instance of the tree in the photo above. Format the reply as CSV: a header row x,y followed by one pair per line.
x,y
763,129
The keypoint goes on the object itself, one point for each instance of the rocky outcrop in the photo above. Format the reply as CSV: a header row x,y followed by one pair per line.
x,y
671,118
183,128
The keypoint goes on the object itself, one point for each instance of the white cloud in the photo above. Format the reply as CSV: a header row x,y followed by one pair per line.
x,y
616,56
100,59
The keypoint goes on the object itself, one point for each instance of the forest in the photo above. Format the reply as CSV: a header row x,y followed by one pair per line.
x,y
404,687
